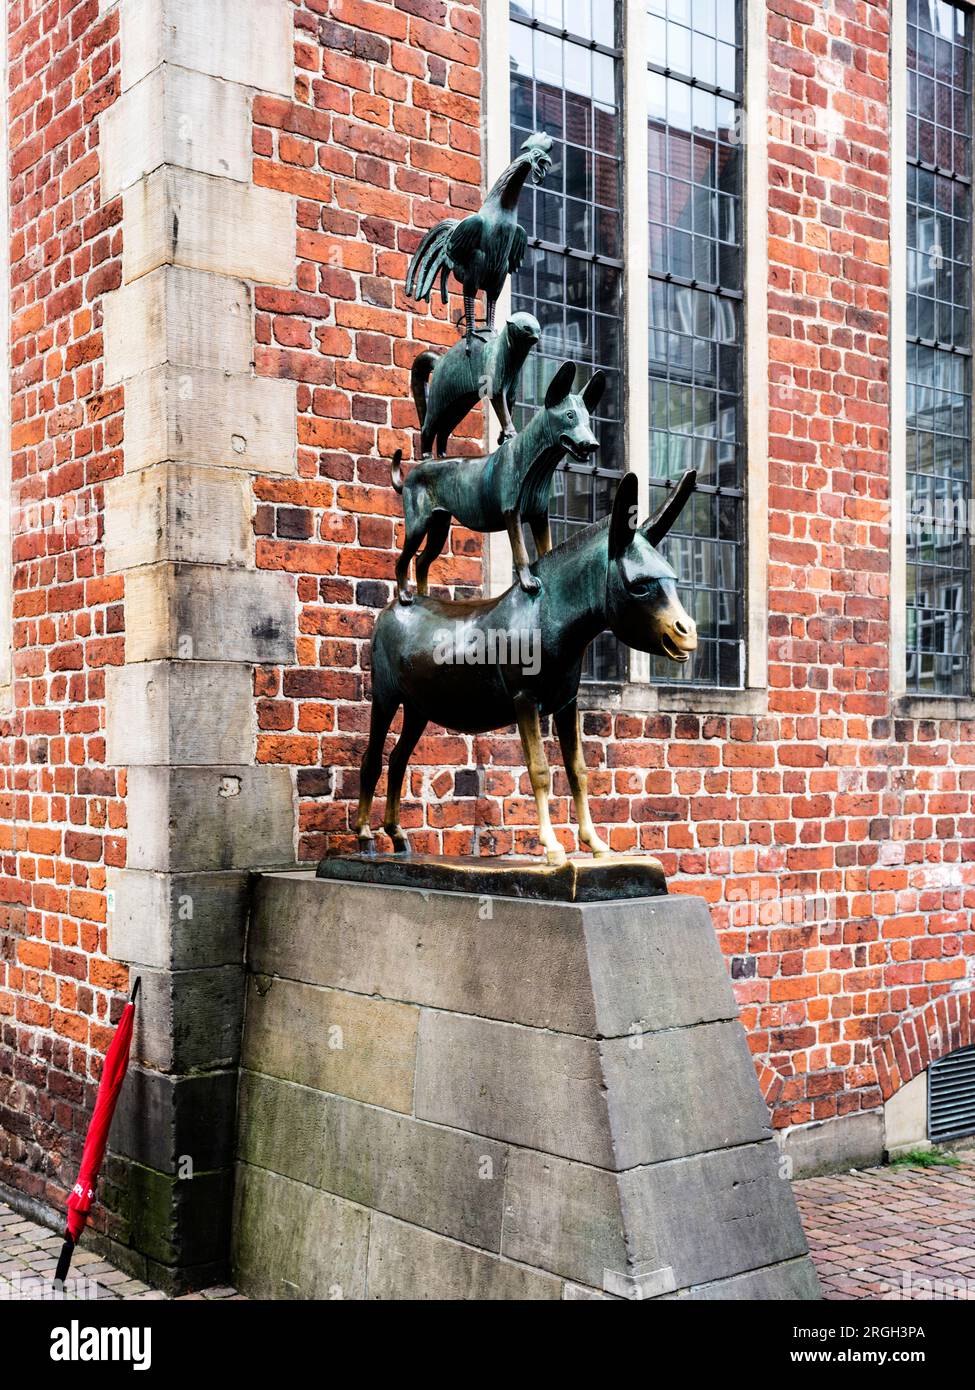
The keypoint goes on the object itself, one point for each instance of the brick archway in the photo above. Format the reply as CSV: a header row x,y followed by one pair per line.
x,y
942,1026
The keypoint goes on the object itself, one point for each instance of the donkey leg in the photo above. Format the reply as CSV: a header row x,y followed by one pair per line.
x,y
567,728
383,711
437,533
530,729
413,725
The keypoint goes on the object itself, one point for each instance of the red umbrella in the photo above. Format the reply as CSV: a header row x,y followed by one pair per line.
x,y
113,1074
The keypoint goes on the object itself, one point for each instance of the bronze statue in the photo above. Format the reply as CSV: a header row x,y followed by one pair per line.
x,y
510,486
486,247
608,576
487,367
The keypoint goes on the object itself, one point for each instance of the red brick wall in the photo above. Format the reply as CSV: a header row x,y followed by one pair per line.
x,y
62,815
826,798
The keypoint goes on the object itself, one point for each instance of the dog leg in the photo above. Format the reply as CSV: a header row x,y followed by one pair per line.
x,y
526,579
541,533
530,729
437,533
414,540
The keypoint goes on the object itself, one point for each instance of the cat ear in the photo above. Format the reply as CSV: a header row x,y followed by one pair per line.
x,y
560,385
623,521
592,392
673,504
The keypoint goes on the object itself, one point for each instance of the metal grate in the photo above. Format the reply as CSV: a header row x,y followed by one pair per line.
x,y
951,1096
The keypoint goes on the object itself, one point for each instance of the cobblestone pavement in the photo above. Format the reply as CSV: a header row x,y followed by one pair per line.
x,y
893,1233
886,1233
29,1255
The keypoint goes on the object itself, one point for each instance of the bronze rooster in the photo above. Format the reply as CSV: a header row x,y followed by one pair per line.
x,y
486,247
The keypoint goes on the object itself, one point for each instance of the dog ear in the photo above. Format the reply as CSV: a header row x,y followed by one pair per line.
x,y
560,385
592,392
664,518
623,521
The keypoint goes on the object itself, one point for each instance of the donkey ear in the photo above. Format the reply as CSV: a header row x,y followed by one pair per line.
x,y
592,392
623,523
560,385
660,523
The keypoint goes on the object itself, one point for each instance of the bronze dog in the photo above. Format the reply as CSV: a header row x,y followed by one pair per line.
x,y
498,493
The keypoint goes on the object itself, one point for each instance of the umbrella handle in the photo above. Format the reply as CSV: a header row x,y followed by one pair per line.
x,y
67,1250
135,989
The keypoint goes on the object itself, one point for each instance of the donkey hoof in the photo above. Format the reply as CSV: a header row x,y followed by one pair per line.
x,y
556,857
367,845
405,596
531,585
401,844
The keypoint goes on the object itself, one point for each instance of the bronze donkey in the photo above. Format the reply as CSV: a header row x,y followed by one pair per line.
x,y
608,576
510,486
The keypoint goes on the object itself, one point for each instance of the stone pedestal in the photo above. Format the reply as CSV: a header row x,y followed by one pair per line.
x,y
452,1096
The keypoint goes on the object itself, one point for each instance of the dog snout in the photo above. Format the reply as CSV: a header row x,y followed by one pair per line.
x,y
579,446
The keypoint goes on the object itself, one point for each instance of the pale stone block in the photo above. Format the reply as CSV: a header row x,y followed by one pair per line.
x,y
178,513
291,1241
180,713
207,417
176,117
830,1146
333,1041
189,1019
209,613
906,1117
613,1105
563,1217
712,1215
596,969
437,1178
176,217
792,1281
523,1085
177,921
247,41
191,818
660,1092
406,1262
181,316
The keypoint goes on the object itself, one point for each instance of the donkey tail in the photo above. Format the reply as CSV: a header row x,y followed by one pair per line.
x,y
396,472
420,374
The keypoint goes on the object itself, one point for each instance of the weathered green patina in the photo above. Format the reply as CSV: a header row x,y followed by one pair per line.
x,y
486,247
500,492
610,576
485,368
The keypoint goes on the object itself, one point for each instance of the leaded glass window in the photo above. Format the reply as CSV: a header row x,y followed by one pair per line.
x,y
939,347
565,80
695,159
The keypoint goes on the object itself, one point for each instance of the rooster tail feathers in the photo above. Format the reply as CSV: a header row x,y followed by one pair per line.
x,y
429,259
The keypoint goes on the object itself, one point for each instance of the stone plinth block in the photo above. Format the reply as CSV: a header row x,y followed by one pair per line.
x,y
470,1096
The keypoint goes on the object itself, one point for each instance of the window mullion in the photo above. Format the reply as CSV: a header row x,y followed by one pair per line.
x,y
636,216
